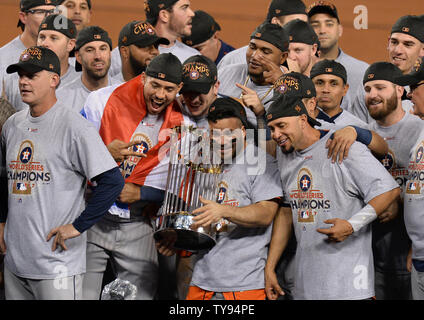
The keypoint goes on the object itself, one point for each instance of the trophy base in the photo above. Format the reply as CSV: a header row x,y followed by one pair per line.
x,y
176,227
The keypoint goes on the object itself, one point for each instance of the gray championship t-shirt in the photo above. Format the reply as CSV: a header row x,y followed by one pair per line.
x,y
48,161
414,195
238,73
390,240
318,190
237,261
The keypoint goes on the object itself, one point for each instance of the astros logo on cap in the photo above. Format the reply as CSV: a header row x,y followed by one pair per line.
x,y
161,75
298,109
97,36
269,117
328,69
25,57
194,75
405,29
371,76
258,35
282,88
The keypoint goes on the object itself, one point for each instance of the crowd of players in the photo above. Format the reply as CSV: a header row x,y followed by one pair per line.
x,y
331,211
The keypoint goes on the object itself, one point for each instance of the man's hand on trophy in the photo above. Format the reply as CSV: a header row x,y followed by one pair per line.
x,y
211,212
165,245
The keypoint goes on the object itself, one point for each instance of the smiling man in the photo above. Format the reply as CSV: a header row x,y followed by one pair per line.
x,y
93,47
253,80
331,205
404,134
131,124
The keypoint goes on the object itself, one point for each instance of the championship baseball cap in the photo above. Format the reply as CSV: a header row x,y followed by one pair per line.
x,y
327,66
224,108
273,34
92,33
153,7
166,67
411,25
288,106
278,8
203,27
59,2
416,76
139,33
25,5
199,74
29,4
59,23
382,71
36,59
301,31
323,7
294,84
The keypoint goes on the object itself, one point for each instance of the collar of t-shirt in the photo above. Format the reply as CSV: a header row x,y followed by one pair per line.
x,y
44,116
323,116
322,134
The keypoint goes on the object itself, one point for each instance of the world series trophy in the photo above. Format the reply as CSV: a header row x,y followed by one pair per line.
x,y
193,172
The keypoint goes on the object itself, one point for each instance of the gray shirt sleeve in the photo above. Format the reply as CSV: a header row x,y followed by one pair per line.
x,y
366,175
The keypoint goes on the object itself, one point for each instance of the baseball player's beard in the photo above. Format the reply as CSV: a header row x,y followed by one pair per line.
x,y
137,66
389,105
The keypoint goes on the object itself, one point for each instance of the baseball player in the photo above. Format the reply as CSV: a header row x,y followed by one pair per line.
x,y
138,44
406,45
413,208
279,12
246,202
402,132
79,11
253,80
131,125
205,37
31,13
323,17
303,46
200,89
45,155
334,262
58,33
331,85
93,47
172,20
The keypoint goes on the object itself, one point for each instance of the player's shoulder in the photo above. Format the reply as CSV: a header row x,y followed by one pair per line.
x,y
345,58
232,71
14,121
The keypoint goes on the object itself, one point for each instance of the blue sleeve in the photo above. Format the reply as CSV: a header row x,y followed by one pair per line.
x,y
109,186
151,194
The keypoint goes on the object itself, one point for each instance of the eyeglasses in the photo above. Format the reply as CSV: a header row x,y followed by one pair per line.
x,y
41,12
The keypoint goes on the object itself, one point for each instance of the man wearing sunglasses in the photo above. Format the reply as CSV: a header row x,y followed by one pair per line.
x,y
31,14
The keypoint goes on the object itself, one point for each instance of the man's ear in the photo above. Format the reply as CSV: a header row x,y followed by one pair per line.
x,y
78,57
164,16
284,57
71,45
124,51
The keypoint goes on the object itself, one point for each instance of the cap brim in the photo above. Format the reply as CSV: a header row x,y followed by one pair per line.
x,y
322,9
28,67
152,40
313,122
408,80
202,88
